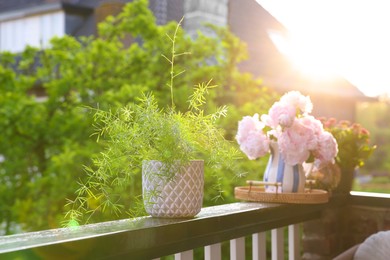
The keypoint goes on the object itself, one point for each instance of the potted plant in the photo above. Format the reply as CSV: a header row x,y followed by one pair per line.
x,y
292,136
166,143
354,148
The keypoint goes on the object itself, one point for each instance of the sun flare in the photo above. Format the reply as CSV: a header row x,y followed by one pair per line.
x,y
306,56
326,38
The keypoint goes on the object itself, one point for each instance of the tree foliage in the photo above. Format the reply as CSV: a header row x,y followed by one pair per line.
x,y
375,115
44,123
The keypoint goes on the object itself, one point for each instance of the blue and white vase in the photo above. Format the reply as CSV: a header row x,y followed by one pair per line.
x,y
291,177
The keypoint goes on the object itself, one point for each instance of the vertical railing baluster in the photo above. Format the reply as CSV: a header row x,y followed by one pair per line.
x,y
294,242
186,255
212,252
277,240
237,249
259,249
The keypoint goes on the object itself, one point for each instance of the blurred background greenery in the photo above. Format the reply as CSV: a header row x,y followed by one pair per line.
x,y
46,127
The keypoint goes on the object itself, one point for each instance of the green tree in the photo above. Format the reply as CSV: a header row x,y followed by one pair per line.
x,y
45,140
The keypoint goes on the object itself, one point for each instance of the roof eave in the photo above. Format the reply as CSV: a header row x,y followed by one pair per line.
x,y
45,8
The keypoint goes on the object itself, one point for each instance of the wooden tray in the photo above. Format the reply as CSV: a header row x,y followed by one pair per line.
x,y
258,194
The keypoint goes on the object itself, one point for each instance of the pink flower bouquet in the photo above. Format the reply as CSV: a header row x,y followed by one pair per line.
x,y
299,136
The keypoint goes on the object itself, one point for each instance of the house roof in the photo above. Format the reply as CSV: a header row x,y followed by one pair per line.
x,y
332,86
12,5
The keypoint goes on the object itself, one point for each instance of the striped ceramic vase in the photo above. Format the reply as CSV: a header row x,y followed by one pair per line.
x,y
291,177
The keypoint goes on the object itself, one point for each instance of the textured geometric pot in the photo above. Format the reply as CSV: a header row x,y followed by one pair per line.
x,y
178,197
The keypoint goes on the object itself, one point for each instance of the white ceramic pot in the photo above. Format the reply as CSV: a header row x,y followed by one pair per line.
x,y
178,197
291,177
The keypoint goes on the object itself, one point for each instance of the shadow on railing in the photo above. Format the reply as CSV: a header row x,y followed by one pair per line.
x,y
150,238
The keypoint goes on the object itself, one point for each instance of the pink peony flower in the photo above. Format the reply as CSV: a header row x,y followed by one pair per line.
x,y
256,145
313,123
253,142
298,101
327,149
315,126
298,134
280,114
246,125
296,142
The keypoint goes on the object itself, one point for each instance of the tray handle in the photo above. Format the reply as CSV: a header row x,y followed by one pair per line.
x,y
263,183
276,184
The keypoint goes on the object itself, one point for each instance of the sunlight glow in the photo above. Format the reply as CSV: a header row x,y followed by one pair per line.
x,y
347,37
306,58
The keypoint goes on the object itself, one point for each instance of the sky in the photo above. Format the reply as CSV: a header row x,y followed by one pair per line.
x,y
346,37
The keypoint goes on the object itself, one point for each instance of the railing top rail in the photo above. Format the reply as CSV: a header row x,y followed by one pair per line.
x,y
370,199
147,237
